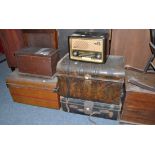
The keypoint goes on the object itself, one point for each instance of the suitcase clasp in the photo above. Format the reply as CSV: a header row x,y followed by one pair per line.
x,y
87,77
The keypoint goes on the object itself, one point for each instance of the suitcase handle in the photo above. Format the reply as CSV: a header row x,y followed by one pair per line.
x,y
55,90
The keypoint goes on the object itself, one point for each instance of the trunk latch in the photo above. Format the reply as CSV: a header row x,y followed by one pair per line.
x,y
88,107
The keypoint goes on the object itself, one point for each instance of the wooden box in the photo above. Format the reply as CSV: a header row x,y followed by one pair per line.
x,y
37,61
15,39
33,90
139,105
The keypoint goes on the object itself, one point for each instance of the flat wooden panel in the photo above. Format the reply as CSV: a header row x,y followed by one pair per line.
x,y
37,97
1,47
139,105
38,30
140,101
133,44
40,38
12,41
33,90
135,118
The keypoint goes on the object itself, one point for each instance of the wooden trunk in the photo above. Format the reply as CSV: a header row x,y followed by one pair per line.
x,y
37,61
97,109
33,90
90,81
139,106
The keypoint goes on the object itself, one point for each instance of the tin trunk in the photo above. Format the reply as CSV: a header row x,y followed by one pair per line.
x,y
33,90
98,109
90,81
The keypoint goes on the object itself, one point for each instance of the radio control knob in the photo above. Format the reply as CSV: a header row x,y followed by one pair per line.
x,y
98,56
75,53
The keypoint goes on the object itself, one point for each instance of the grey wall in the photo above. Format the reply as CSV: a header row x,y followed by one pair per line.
x,y
63,38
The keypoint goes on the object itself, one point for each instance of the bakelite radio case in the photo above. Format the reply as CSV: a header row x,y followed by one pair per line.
x,y
89,46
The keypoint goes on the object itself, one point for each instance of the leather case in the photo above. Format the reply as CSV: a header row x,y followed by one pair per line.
x,y
97,109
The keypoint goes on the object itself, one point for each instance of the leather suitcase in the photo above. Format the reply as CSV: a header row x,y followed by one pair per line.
x,y
139,105
90,81
33,90
97,109
37,61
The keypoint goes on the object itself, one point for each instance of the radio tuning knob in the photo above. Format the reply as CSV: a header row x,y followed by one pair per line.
x,y
98,56
75,53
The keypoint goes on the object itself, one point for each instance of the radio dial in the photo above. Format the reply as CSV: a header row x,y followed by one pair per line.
x,y
75,53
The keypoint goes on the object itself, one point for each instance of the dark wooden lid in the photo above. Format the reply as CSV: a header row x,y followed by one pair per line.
x,y
20,80
92,35
143,78
37,51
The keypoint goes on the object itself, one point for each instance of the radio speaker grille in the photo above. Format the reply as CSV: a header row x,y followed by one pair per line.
x,y
94,45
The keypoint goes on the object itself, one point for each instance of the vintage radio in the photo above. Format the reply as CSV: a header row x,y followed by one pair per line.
x,y
89,46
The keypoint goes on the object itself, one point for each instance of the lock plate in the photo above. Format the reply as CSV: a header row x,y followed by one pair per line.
x,y
88,107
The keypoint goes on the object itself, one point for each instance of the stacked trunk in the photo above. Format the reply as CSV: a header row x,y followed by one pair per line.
x,y
95,88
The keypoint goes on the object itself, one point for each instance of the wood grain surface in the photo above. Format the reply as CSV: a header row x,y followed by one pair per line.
x,y
139,105
33,90
43,65
133,44
90,81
